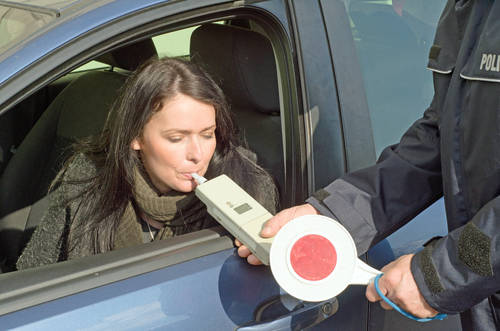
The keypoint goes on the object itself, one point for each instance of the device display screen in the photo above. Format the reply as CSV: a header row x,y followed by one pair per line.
x,y
242,208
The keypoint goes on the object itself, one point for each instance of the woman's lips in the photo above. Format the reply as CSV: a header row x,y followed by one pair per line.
x,y
187,175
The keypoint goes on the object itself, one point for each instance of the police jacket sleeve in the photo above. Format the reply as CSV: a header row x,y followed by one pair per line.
x,y
458,271
374,202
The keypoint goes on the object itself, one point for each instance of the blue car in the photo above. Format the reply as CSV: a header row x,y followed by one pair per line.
x,y
317,87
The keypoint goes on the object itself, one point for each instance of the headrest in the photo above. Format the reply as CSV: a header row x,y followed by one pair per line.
x,y
129,57
242,61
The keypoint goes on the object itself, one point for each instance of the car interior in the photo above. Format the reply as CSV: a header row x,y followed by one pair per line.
x,y
36,135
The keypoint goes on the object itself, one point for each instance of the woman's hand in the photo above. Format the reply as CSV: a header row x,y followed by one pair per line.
x,y
272,227
398,284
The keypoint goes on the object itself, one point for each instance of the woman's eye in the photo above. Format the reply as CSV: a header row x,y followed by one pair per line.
x,y
208,135
174,139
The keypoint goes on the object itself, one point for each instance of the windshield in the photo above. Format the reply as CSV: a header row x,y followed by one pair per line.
x,y
17,25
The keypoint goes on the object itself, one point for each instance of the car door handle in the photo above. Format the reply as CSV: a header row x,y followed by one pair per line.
x,y
305,315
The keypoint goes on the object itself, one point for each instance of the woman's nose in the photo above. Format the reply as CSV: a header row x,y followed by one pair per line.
x,y
194,152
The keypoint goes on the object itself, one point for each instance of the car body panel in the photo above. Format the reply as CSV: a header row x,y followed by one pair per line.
x,y
173,298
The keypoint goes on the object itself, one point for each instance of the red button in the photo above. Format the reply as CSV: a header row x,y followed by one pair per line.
x,y
313,257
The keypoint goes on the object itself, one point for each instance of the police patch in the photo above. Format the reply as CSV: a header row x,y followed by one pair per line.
x,y
490,62
474,250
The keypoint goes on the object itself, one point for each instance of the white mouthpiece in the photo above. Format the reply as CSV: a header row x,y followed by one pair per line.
x,y
199,179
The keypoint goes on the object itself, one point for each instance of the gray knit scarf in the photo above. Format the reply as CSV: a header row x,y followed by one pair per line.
x,y
176,212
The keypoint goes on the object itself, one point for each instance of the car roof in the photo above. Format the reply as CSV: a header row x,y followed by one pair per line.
x,y
73,18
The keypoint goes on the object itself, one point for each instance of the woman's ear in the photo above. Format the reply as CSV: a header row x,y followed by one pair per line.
x,y
135,144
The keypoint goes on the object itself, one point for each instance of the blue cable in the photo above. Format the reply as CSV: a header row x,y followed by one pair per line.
x,y
403,312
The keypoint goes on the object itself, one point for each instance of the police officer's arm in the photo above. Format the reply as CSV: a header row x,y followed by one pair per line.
x,y
374,202
462,269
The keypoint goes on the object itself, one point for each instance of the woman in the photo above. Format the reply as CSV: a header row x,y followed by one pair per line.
x,y
133,183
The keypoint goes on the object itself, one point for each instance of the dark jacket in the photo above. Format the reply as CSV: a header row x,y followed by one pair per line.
x,y
453,150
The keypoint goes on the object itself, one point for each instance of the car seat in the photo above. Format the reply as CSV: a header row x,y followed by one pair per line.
x,y
243,63
79,111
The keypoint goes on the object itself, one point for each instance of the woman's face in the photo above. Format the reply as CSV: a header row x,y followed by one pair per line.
x,y
178,140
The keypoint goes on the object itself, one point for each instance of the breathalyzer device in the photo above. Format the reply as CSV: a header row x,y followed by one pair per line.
x,y
237,211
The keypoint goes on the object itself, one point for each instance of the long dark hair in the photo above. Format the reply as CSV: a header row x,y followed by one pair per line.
x,y
142,95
